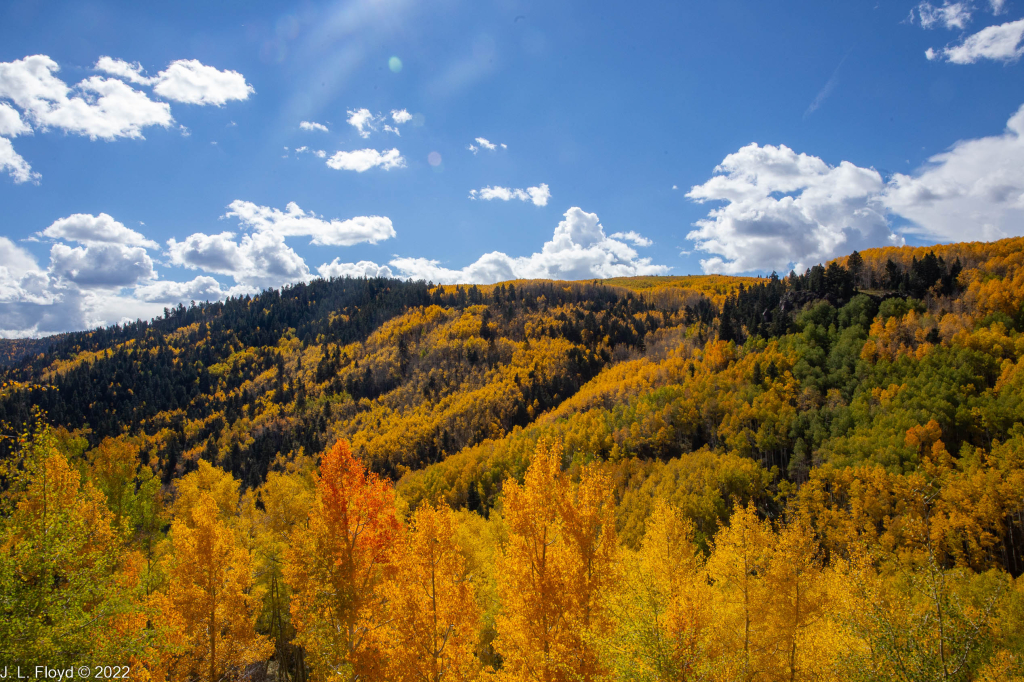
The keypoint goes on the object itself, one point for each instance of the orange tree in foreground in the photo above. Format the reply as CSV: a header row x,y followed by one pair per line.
x,y
558,564
336,569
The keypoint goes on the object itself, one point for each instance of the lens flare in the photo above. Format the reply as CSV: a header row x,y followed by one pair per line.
x,y
395,64
434,159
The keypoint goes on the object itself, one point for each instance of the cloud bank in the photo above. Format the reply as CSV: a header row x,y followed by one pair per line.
x,y
782,210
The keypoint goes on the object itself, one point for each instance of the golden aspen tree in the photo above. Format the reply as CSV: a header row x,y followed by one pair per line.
x,y
209,597
738,559
219,484
68,583
286,499
113,466
335,568
661,605
558,560
796,590
435,619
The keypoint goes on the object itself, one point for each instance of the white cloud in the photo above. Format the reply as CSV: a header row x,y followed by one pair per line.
x,y
104,282
634,237
365,159
974,190
539,195
259,260
20,276
997,6
484,143
192,82
950,15
312,125
294,222
363,121
785,210
578,249
104,266
89,229
363,268
11,124
202,288
105,108
13,163
366,122
131,71
999,43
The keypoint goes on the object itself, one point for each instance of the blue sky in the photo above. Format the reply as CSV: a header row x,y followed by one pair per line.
x,y
628,138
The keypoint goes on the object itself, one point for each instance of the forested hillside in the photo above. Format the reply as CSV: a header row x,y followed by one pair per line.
x,y
815,476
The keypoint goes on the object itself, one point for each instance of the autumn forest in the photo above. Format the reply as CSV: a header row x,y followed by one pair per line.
x,y
807,476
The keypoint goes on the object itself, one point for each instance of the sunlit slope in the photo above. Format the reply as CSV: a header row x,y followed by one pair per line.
x,y
788,372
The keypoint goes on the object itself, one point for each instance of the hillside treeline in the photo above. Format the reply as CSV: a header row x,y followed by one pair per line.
x,y
815,476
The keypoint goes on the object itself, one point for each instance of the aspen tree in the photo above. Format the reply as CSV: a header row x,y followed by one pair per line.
x,y
69,586
558,559
335,568
209,599
435,619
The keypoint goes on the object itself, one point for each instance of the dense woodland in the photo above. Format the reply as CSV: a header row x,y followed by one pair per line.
x,y
817,476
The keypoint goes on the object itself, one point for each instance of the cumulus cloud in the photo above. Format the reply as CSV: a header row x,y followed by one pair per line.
x,y
202,288
950,15
312,125
294,222
191,82
104,266
364,159
784,209
106,281
484,143
186,80
130,71
999,43
974,190
100,229
12,162
20,275
579,249
363,268
259,260
99,107
104,107
11,124
319,153
366,122
539,195
363,121
634,237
